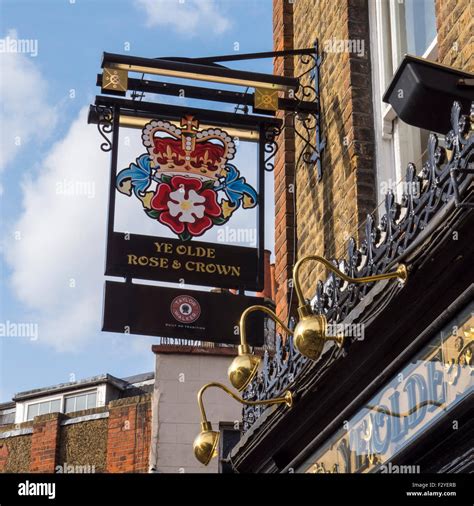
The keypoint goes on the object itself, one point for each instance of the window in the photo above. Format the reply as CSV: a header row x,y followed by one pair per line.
x,y
397,27
43,408
86,400
75,402
435,380
420,25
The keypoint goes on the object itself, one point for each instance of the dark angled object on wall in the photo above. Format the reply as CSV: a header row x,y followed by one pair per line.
x,y
421,91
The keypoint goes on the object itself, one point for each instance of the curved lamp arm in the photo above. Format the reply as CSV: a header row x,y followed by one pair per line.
x,y
244,347
400,273
206,442
286,399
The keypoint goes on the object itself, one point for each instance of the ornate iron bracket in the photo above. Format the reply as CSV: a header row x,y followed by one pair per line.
x,y
105,125
308,124
271,147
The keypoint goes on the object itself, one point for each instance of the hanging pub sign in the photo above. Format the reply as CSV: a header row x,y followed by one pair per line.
x,y
178,313
186,201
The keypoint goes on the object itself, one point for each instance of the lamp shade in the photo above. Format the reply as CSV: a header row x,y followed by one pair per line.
x,y
242,370
422,91
205,445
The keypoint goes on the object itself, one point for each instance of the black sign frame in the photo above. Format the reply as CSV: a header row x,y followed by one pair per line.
x,y
250,261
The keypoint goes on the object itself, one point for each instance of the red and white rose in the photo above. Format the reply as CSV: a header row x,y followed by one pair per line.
x,y
186,206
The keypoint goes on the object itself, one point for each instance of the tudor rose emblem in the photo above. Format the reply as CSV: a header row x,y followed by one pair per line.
x,y
185,181
185,309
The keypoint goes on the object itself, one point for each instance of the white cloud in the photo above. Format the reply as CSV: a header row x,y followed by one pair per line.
x,y
188,17
25,115
57,263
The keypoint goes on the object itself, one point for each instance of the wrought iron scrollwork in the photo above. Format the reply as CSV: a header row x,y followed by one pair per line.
x,y
270,147
425,194
308,124
105,125
311,64
305,128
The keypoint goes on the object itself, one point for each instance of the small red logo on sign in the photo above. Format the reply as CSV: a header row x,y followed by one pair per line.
x,y
185,309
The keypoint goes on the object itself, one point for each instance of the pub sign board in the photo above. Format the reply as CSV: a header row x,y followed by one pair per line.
x,y
183,314
186,201
145,257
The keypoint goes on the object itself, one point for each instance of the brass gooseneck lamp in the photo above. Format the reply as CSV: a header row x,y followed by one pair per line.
x,y
245,365
205,443
309,335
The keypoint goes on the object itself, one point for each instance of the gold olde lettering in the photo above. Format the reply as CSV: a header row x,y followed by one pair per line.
x,y
196,251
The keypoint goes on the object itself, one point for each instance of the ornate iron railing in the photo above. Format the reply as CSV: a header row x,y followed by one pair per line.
x,y
446,174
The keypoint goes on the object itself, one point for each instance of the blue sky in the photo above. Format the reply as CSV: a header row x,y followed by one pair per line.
x,y
52,245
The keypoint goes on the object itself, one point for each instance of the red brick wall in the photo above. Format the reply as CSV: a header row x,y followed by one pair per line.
x,y
330,211
3,456
284,165
124,441
129,434
45,443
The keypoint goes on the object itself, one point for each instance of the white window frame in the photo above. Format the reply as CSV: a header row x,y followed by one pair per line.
x,y
40,401
77,394
21,413
395,142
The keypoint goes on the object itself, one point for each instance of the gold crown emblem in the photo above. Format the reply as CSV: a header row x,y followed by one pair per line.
x,y
188,150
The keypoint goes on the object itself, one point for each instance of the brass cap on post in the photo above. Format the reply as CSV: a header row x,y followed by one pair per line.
x,y
289,399
402,273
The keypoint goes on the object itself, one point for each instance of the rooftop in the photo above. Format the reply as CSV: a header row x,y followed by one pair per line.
x,y
119,383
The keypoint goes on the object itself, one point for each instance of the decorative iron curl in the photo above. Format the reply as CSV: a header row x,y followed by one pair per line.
x,y
308,91
105,125
309,123
270,147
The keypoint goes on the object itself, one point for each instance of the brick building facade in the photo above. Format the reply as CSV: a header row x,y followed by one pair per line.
x,y
141,424
111,438
331,211
388,196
